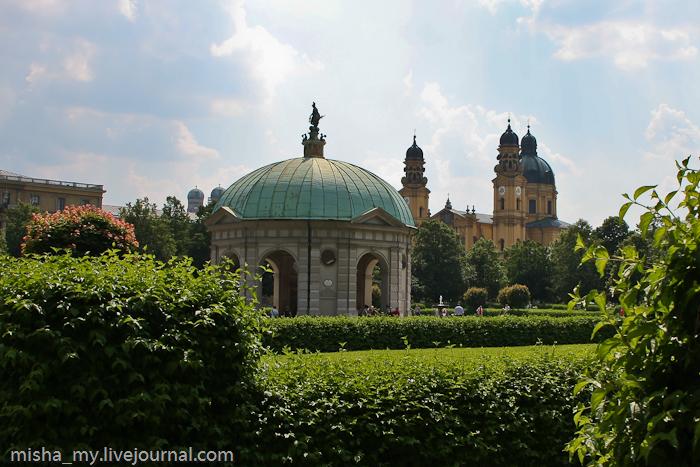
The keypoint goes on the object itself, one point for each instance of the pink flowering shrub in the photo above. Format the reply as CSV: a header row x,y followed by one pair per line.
x,y
81,229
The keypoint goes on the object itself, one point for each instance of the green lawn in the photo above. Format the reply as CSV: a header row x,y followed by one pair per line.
x,y
466,358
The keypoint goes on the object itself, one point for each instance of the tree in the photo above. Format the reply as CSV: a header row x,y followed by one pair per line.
x,y
567,270
487,266
17,218
200,238
612,233
439,262
644,403
175,216
528,263
81,229
152,232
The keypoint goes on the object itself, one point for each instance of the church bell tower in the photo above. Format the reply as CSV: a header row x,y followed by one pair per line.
x,y
508,192
415,191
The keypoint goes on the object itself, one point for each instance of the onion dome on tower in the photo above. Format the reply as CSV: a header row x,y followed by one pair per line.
x,y
509,137
535,169
414,152
195,199
216,193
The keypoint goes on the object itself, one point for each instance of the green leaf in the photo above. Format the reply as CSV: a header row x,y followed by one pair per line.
x,y
597,398
579,243
624,208
601,260
642,189
670,196
644,222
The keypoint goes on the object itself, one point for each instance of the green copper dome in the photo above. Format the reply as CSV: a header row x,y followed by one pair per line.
x,y
312,188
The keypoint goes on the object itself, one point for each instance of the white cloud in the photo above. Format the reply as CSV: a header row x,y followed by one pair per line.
x,y
630,45
269,60
461,151
128,9
408,82
75,64
671,134
188,145
227,107
36,72
493,5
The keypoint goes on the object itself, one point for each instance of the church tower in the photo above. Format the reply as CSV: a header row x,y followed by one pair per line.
x,y
508,192
415,191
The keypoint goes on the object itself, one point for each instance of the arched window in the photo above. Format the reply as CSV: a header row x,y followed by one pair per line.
x,y
420,211
549,206
517,203
503,244
502,201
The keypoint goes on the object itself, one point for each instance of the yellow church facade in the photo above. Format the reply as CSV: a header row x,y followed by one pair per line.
x,y
524,197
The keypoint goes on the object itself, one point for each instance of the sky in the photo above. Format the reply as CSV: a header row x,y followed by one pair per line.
x,y
153,98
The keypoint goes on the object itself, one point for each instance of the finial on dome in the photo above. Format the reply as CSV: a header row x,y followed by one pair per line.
x,y
313,146
448,204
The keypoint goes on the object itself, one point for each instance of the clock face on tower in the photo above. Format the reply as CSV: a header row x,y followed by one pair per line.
x,y
518,190
501,190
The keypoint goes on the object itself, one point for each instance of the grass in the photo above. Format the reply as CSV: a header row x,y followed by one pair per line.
x,y
454,358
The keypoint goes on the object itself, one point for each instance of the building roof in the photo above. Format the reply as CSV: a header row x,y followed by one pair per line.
x,y
14,177
537,170
315,189
480,217
547,222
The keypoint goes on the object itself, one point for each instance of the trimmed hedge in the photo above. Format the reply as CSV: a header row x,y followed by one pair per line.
x,y
411,411
329,334
123,352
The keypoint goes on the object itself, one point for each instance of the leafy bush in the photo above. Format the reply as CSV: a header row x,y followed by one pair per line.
x,y
409,409
517,296
327,334
645,402
81,229
475,297
122,352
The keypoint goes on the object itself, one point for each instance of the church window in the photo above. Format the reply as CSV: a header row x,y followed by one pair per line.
x,y
532,208
503,244
420,211
517,202
549,206
503,203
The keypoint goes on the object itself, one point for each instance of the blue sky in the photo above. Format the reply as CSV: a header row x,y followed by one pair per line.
x,y
151,98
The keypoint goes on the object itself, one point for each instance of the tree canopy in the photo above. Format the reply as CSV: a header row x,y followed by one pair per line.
x,y
487,265
439,263
644,403
567,270
528,263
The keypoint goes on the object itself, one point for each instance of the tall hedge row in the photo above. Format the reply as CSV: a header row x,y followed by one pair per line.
x,y
332,334
122,352
415,412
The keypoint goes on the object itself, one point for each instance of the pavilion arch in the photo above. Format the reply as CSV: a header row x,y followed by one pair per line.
x,y
279,288
365,269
